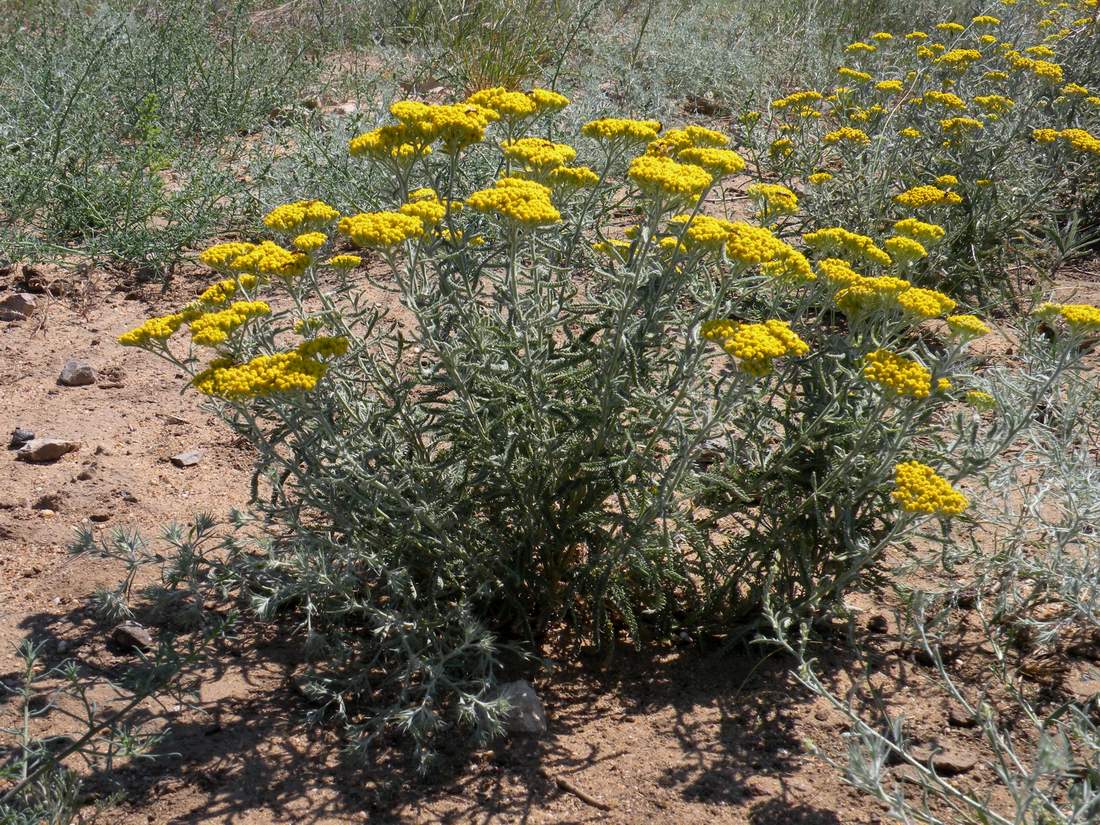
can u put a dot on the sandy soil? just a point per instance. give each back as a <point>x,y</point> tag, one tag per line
<point>680,735</point>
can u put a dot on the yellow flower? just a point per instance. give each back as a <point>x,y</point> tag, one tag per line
<point>1074,89</point>
<point>986,20</point>
<point>547,100</point>
<point>959,59</point>
<point>1045,70</point>
<point>293,217</point>
<point>797,100</point>
<point>676,140</point>
<point>889,86</point>
<point>882,36</point>
<point>507,104</point>
<point>154,329</point>
<point>919,489</point>
<point>846,244</point>
<point>860,47</point>
<point>966,326</point>
<point>948,100</point>
<point>344,261</point>
<point>214,328</point>
<point>298,370</point>
<point>947,181</point>
<point>222,291</point>
<point>455,125</point>
<point>995,104</point>
<point>523,201</point>
<point>575,177</point>
<point>718,162</point>
<point>897,373</point>
<point>268,258</point>
<point>951,27</point>
<point>774,198</point>
<point>538,154</point>
<point>220,256</point>
<point>625,129</point>
<point>960,125</point>
<point>425,205</point>
<point>701,231</point>
<point>395,143</point>
<point>613,248</point>
<point>1045,135</point>
<point>781,148</point>
<point>981,400</point>
<point>904,250</point>
<point>838,272</point>
<point>866,295</point>
<point>922,197</point>
<point>789,265</point>
<point>918,230</point>
<point>917,35</point>
<point>854,74</point>
<point>1081,140</point>
<point>1081,317</point>
<point>659,177</point>
<point>755,346</point>
<point>910,132</point>
<point>848,135</point>
<point>818,178</point>
<point>310,241</point>
<point>924,303</point>
<point>750,245</point>
<point>381,230</point>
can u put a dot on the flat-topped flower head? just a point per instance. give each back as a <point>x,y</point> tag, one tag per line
<point>153,330</point>
<point>300,216</point>
<point>918,230</point>
<point>700,232</point>
<point>689,137</point>
<point>213,328</point>
<point>396,143</point>
<point>966,326</point>
<point>866,295</point>
<point>749,245</point>
<point>295,371</point>
<point>897,373</point>
<point>426,205</point>
<point>220,256</point>
<point>522,201</point>
<point>572,177</point>
<point>663,178</point>
<point>1078,317</point>
<point>924,303</point>
<point>904,250</point>
<point>610,129</point>
<point>381,230</point>
<point>981,400</point>
<point>538,154</point>
<point>718,162</point>
<point>838,272</point>
<point>508,105</point>
<point>926,197</point>
<point>919,489</point>
<point>547,100</point>
<point>269,259</point>
<point>756,346</point>
<point>344,262</point>
<point>774,199</point>
<point>849,135</point>
<point>222,291</point>
<point>310,241</point>
<point>845,244</point>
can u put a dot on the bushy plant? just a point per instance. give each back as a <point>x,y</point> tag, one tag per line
<point>602,407</point>
<point>982,123</point>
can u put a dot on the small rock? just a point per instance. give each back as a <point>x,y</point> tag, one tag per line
<point>77,373</point>
<point>187,459</point>
<point>19,437</point>
<point>62,646</point>
<point>878,624</point>
<point>50,502</point>
<point>87,474</point>
<point>99,518</point>
<point>45,449</point>
<point>130,635</point>
<point>17,307</point>
<point>959,718</point>
<point>949,761</point>
<point>526,713</point>
<point>128,497</point>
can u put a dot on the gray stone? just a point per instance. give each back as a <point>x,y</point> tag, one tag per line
<point>17,307</point>
<point>77,373</point>
<point>19,437</point>
<point>526,713</point>
<point>187,459</point>
<point>130,635</point>
<point>45,449</point>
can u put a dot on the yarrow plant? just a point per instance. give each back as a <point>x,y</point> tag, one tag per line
<point>565,426</point>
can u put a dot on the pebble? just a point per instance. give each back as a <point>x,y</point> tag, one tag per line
<point>187,459</point>
<point>45,449</point>
<point>77,373</point>
<point>130,635</point>
<point>19,437</point>
<point>950,761</point>
<point>526,713</point>
<point>17,307</point>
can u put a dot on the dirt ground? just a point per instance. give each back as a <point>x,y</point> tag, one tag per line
<point>681,735</point>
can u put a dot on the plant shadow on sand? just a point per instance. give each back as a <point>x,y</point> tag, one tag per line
<point>671,736</point>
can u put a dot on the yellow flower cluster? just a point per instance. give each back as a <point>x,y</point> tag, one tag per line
<point>661,177</point>
<point>789,265</point>
<point>981,400</point>
<point>1081,140</point>
<point>919,489</point>
<point>818,178</point>
<point>381,230</point>
<point>575,177</point>
<point>775,199</point>
<point>221,255</point>
<point>889,86</point>
<point>751,245</point>
<point>923,197</point>
<point>513,105</point>
<point>690,137</point>
<point>523,201</point>
<point>948,100</point>
<point>266,258</point>
<point>396,143</point>
<point>955,28</point>
<point>957,126</point>
<point>1079,317</point>
<point>847,134</point>
<point>426,205</point>
<point>298,370</point>
<point>622,129</point>
<point>344,261</point>
<point>854,74</point>
<point>838,272</point>
<point>154,329</point>
<point>967,326</point>
<point>214,328</point>
<point>846,244</point>
<point>718,162</point>
<point>538,154</point>
<point>918,230</point>
<point>310,241</point>
<point>904,250</point>
<point>995,104</point>
<point>300,215</point>
<point>701,232</point>
<point>864,295</point>
<point>797,100</point>
<point>959,59</point>
<point>924,303</point>
<point>455,125</point>
<point>755,346</point>
<point>222,291</point>
<point>897,373</point>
